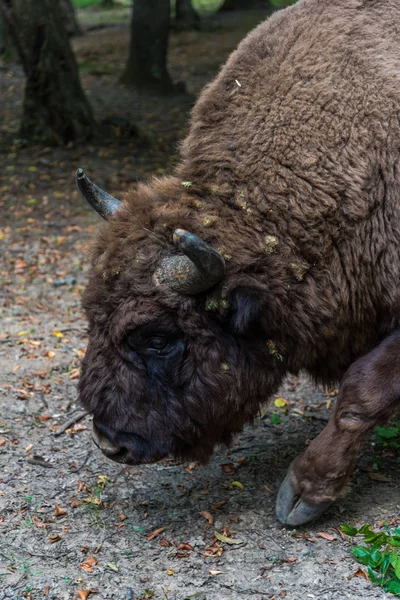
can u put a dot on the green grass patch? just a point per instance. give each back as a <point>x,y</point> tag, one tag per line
<point>379,554</point>
<point>282,3</point>
<point>388,435</point>
<point>85,3</point>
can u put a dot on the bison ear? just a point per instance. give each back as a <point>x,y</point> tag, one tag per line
<point>247,306</point>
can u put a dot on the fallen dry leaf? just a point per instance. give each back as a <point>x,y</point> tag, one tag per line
<point>215,572</point>
<point>58,511</point>
<point>58,334</point>
<point>228,468</point>
<point>219,504</point>
<point>39,523</point>
<point>164,542</point>
<point>184,546</point>
<point>82,485</point>
<point>3,441</point>
<point>76,428</point>
<point>379,477</point>
<point>213,551</point>
<point>361,573</point>
<point>237,484</point>
<point>74,374</point>
<point>331,393</point>
<point>156,533</point>
<point>170,572</point>
<point>54,538</point>
<point>88,564</point>
<point>207,516</point>
<point>280,402</point>
<point>305,536</point>
<point>326,536</point>
<point>83,594</point>
<point>226,540</point>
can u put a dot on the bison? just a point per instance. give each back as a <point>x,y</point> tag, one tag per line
<point>272,249</point>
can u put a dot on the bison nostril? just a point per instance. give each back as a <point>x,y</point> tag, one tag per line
<point>105,445</point>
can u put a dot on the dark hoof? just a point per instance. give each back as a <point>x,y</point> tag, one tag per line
<point>290,508</point>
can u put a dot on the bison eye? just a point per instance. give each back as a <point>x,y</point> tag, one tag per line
<point>157,343</point>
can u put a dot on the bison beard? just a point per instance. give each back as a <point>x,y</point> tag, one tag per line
<point>273,249</point>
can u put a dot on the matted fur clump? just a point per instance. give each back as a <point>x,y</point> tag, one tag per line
<point>291,171</point>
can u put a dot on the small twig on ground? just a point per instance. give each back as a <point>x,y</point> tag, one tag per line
<point>83,464</point>
<point>74,419</point>
<point>43,400</point>
<point>39,462</point>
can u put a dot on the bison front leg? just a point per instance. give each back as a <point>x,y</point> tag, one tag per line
<point>369,395</point>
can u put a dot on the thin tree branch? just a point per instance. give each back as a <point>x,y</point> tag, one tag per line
<point>71,421</point>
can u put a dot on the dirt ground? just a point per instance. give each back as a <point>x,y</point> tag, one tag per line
<point>70,520</point>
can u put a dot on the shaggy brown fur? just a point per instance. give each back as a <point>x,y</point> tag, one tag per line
<point>292,171</point>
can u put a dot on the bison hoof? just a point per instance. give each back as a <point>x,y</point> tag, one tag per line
<point>292,510</point>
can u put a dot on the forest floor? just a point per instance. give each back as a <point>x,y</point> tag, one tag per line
<point>72,523</point>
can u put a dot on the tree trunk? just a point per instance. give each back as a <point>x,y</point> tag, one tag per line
<point>3,37</point>
<point>55,108</point>
<point>71,23</point>
<point>185,15</point>
<point>147,61</point>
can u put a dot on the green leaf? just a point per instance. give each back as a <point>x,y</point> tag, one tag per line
<point>393,587</point>
<point>371,538</point>
<point>385,563</point>
<point>365,529</point>
<point>275,419</point>
<point>373,577</point>
<point>349,529</point>
<point>395,562</point>
<point>387,432</point>
<point>362,554</point>
<point>376,557</point>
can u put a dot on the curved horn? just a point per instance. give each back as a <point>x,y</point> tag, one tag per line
<point>102,202</point>
<point>197,270</point>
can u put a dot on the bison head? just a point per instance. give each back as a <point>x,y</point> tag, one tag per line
<point>176,360</point>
